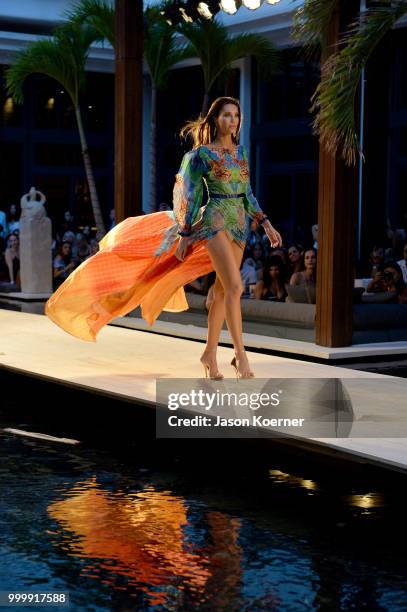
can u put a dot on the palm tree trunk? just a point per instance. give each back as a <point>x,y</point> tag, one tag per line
<point>153,151</point>
<point>205,104</point>
<point>97,213</point>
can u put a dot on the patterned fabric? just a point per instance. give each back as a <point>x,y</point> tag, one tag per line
<point>222,171</point>
<point>136,263</point>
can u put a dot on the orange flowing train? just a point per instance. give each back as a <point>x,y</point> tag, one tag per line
<point>136,264</point>
<point>126,273</point>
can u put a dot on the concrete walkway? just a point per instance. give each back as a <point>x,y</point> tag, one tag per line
<point>126,363</point>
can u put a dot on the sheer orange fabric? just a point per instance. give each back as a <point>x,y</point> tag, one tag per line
<point>124,274</point>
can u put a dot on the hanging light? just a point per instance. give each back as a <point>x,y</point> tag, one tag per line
<point>50,103</point>
<point>208,8</point>
<point>272,1</point>
<point>252,4</point>
<point>230,6</point>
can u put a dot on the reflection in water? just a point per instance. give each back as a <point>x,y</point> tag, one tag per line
<point>119,537</point>
<point>279,476</point>
<point>139,535</point>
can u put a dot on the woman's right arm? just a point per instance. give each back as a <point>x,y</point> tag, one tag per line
<point>187,197</point>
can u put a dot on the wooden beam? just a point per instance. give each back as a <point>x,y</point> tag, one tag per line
<point>128,108</point>
<point>336,231</point>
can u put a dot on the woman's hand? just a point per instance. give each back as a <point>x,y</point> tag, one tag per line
<point>272,234</point>
<point>182,247</point>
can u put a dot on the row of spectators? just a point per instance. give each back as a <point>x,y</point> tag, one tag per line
<point>71,245</point>
<point>266,273</point>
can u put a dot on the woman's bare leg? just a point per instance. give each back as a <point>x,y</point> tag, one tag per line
<point>216,315</point>
<point>222,254</point>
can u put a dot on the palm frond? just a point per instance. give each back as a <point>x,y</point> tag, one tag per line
<point>42,57</point>
<point>217,50</point>
<point>334,98</point>
<point>310,22</point>
<point>161,48</point>
<point>99,14</point>
<point>266,54</point>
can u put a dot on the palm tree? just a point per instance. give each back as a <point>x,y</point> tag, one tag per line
<point>63,59</point>
<point>97,13</point>
<point>217,50</point>
<point>162,51</point>
<point>334,98</point>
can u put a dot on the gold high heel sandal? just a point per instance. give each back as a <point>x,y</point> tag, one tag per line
<point>206,367</point>
<point>233,363</point>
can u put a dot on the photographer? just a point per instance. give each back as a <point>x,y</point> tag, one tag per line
<point>389,277</point>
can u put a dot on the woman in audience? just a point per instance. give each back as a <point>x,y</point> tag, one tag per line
<point>259,256</point>
<point>272,287</point>
<point>308,274</point>
<point>393,281</point>
<point>376,259</point>
<point>64,263</point>
<point>12,258</point>
<point>83,247</point>
<point>295,252</point>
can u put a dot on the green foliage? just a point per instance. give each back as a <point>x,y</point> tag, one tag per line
<point>162,50</point>
<point>334,98</point>
<point>217,50</point>
<point>62,58</point>
<point>99,14</point>
<point>311,22</point>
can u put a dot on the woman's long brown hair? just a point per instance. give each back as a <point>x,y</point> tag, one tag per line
<point>203,129</point>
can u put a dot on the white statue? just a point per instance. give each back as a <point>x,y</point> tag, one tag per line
<point>35,245</point>
<point>31,207</point>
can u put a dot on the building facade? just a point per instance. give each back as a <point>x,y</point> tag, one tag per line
<point>40,146</point>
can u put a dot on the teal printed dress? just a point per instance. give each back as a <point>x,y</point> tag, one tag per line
<point>231,203</point>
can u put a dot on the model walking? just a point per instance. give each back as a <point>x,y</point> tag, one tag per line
<point>147,260</point>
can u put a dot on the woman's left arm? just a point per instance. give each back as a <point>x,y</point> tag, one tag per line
<point>254,211</point>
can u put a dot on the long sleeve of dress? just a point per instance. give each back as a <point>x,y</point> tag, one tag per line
<point>251,205</point>
<point>188,190</point>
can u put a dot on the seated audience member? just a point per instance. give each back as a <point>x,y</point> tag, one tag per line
<point>281,254</point>
<point>83,247</point>
<point>376,259</point>
<point>12,259</point>
<point>248,274</point>
<point>377,284</point>
<point>3,223</point>
<point>259,256</point>
<point>393,281</point>
<point>314,231</point>
<point>272,286</point>
<point>70,237</point>
<point>3,244</point>
<point>295,252</point>
<point>64,263</point>
<point>308,274</point>
<point>254,234</point>
<point>13,216</point>
<point>403,263</point>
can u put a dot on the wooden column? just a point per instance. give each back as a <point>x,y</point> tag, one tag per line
<point>128,108</point>
<point>336,232</point>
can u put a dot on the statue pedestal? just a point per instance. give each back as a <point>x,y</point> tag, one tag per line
<point>35,248</point>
